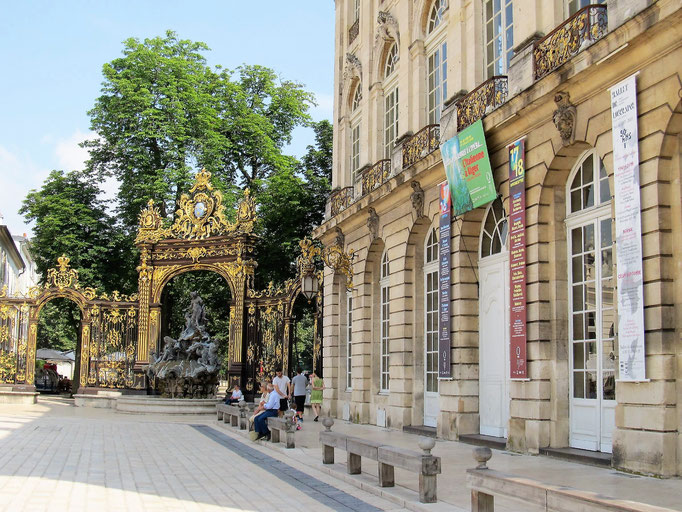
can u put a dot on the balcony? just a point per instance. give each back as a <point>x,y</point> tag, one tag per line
<point>375,176</point>
<point>353,31</point>
<point>340,200</point>
<point>481,101</point>
<point>585,27</point>
<point>421,144</point>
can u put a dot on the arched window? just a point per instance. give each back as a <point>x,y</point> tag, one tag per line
<point>494,234</point>
<point>357,97</point>
<point>592,313</point>
<point>499,36</point>
<point>436,15</point>
<point>391,60</point>
<point>431,312</point>
<point>437,62</point>
<point>384,328</point>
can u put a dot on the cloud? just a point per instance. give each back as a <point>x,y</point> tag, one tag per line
<point>70,156</point>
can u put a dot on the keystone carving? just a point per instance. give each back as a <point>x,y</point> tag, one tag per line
<point>564,117</point>
<point>417,198</point>
<point>373,224</point>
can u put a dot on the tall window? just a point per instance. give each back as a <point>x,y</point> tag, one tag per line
<point>354,150</point>
<point>437,50</point>
<point>591,291</point>
<point>431,311</point>
<point>390,101</point>
<point>499,36</point>
<point>575,5</point>
<point>356,10</point>
<point>349,342</point>
<point>385,299</point>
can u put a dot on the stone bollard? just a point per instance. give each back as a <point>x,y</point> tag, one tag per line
<point>426,444</point>
<point>480,501</point>
<point>327,422</point>
<point>482,455</point>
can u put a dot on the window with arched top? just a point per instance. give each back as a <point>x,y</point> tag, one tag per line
<point>384,325</point>
<point>391,60</point>
<point>592,310</point>
<point>499,36</point>
<point>589,186</point>
<point>357,97</point>
<point>436,15</point>
<point>431,312</point>
<point>495,228</point>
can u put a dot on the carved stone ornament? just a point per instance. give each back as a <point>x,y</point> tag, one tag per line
<point>339,239</point>
<point>373,224</point>
<point>387,28</point>
<point>353,67</point>
<point>417,198</point>
<point>564,117</point>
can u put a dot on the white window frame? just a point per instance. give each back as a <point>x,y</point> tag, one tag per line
<point>349,341</point>
<point>384,325</point>
<point>354,149</point>
<point>356,11</point>
<point>431,269</point>
<point>436,64</point>
<point>391,100</point>
<point>573,6</point>
<point>506,52</point>
<point>595,214</point>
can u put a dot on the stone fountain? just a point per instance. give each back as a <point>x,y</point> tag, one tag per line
<point>188,367</point>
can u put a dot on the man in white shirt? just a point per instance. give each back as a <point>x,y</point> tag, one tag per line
<point>260,423</point>
<point>283,389</point>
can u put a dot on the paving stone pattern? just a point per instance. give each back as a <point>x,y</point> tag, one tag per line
<point>316,489</point>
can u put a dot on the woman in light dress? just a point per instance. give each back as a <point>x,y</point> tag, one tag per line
<point>316,394</point>
<point>265,389</point>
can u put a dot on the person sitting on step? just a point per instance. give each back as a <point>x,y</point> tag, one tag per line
<point>271,408</point>
<point>236,396</point>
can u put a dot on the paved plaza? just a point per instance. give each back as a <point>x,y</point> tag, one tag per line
<point>54,456</point>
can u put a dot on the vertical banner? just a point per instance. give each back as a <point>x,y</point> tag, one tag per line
<point>628,230</point>
<point>444,367</point>
<point>518,368</point>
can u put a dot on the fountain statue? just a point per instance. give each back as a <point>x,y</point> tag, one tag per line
<point>188,367</point>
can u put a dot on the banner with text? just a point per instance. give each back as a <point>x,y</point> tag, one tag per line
<point>517,260</point>
<point>630,280</point>
<point>467,167</point>
<point>444,370</point>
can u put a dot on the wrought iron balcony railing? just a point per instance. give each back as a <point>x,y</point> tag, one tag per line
<point>421,144</point>
<point>340,200</point>
<point>481,101</point>
<point>353,31</point>
<point>375,175</point>
<point>582,29</point>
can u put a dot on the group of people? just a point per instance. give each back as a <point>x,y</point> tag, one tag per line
<point>275,396</point>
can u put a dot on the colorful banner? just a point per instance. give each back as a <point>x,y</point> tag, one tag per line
<point>518,368</point>
<point>444,367</point>
<point>467,167</point>
<point>628,231</point>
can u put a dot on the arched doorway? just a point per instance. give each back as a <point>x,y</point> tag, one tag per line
<point>215,293</point>
<point>593,352</point>
<point>59,334</point>
<point>493,323</point>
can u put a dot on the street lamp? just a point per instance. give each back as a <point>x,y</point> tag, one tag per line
<point>309,285</point>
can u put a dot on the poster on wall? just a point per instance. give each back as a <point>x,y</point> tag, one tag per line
<point>517,260</point>
<point>467,167</point>
<point>630,280</point>
<point>444,370</point>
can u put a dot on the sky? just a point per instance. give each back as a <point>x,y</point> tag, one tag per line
<point>52,55</point>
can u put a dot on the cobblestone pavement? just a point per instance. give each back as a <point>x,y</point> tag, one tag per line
<point>56,457</point>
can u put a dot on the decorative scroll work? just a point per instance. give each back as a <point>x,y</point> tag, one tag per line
<point>421,144</point>
<point>63,276</point>
<point>200,215</point>
<point>375,176</point>
<point>340,200</point>
<point>481,101</point>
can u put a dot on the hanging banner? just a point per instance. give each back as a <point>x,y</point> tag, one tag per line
<point>630,280</point>
<point>517,260</point>
<point>444,367</point>
<point>467,167</point>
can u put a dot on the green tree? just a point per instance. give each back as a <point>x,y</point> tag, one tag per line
<point>71,219</point>
<point>292,204</point>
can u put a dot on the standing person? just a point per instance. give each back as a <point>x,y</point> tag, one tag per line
<point>316,394</point>
<point>299,383</point>
<point>260,423</point>
<point>283,389</point>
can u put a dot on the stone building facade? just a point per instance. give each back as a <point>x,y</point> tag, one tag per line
<point>412,73</point>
